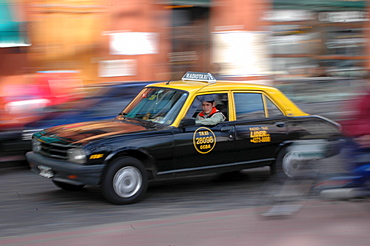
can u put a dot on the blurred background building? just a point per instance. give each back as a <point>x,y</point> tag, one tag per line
<point>73,43</point>
<point>55,52</point>
<point>150,40</point>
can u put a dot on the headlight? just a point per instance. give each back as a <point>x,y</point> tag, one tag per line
<point>77,155</point>
<point>27,134</point>
<point>36,145</point>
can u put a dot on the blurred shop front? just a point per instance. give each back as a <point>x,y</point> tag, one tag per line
<point>101,41</point>
<point>318,38</point>
<point>154,40</point>
<point>190,37</point>
<point>13,37</point>
<point>224,37</point>
<point>319,52</point>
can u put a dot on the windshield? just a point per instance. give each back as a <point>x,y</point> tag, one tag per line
<point>156,104</point>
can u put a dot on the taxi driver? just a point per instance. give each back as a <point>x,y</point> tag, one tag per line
<point>210,114</point>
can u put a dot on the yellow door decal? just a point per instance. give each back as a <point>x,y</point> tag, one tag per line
<point>204,140</point>
<point>259,134</point>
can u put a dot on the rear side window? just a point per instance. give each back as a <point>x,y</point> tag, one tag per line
<point>272,110</point>
<point>252,106</point>
<point>249,106</point>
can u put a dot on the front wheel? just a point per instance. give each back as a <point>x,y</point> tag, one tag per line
<point>125,181</point>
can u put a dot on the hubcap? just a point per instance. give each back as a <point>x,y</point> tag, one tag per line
<point>127,181</point>
<point>292,163</point>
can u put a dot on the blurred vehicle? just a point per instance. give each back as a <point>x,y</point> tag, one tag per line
<point>25,98</point>
<point>101,102</point>
<point>156,137</point>
<point>104,102</point>
<point>352,184</point>
<point>28,94</point>
<point>346,72</point>
<point>355,150</point>
<point>325,96</point>
<point>345,69</point>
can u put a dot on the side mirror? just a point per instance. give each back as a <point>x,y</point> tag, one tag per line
<point>187,122</point>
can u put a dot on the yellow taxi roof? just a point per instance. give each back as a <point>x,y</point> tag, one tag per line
<point>194,86</point>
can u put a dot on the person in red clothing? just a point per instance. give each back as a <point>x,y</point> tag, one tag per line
<point>358,125</point>
<point>356,153</point>
<point>356,129</point>
<point>210,114</point>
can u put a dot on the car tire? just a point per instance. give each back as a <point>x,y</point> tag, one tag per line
<point>68,187</point>
<point>288,165</point>
<point>125,181</point>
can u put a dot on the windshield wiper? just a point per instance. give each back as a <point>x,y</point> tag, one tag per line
<point>146,122</point>
<point>122,114</point>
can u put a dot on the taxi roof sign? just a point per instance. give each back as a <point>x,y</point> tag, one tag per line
<point>198,76</point>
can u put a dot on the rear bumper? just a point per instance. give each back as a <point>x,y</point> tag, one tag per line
<point>316,148</point>
<point>333,147</point>
<point>64,171</point>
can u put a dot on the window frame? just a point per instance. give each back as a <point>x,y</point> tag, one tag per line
<point>227,93</point>
<point>232,113</point>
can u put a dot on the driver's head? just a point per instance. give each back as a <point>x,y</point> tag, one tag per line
<point>208,104</point>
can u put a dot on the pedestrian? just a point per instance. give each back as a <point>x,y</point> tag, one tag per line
<point>356,129</point>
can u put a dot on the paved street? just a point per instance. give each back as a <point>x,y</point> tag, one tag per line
<point>317,224</point>
<point>209,210</point>
<point>32,204</point>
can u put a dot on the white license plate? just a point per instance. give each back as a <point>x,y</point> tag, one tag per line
<point>45,171</point>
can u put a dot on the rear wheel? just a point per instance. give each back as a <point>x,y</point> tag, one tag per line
<point>125,181</point>
<point>288,164</point>
<point>66,186</point>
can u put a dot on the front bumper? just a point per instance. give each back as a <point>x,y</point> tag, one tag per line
<point>64,171</point>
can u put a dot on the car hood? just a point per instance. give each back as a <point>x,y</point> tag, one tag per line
<point>84,132</point>
<point>56,119</point>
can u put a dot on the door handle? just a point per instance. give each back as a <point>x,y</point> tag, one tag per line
<point>280,124</point>
<point>226,129</point>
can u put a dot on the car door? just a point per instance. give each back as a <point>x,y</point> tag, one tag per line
<point>260,127</point>
<point>201,147</point>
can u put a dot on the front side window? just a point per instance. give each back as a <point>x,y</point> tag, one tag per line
<point>220,103</point>
<point>157,105</point>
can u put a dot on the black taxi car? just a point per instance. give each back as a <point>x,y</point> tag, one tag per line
<point>156,137</point>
